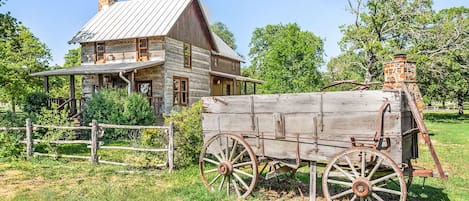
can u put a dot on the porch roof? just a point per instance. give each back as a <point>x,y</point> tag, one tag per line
<point>99,69</point>
<point>237,77</point>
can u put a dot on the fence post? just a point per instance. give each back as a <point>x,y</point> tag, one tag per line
<point>171,147</point>
<point>94,142</point>
<point>29,138</point>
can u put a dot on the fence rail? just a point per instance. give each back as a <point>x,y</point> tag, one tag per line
<point>94,144</point>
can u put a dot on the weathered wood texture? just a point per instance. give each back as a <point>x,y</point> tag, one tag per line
<point>198,74</point>
<point>320,124</point>
<point>225,65</point>
<point>191,27</point>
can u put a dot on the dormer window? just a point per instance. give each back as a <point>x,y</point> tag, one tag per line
<point>142,49</point>
<point>100,49</point>
<point>187,55</point>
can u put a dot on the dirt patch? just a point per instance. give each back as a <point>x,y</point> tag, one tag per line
<point>14,181</point>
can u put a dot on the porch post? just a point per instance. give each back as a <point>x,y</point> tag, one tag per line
<point>245,88</point>
<point>46,84</point>
<point>234,87</point>
<point>73,103</point>
<point>132,81</point>
<point>100,81</point>
<point>254,88</point>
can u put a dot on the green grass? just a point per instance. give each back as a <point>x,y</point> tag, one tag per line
<point>49,179</point>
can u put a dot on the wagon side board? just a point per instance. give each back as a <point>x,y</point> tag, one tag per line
<point>316,126</point>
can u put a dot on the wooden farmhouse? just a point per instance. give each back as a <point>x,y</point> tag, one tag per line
<point>163,49</point>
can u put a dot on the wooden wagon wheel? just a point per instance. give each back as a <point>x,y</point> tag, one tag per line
<point>365,180</point>
<point>227,163</point>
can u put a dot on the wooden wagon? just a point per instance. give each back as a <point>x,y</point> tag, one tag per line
<point>365,139</point>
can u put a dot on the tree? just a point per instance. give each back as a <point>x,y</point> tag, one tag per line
<point>381,29</point>
<point>442,51</point>
<point>60,85</point>
<point>224,33</point>
<point>286,58</point>
<point>21,54</point>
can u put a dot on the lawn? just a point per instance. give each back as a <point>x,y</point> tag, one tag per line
<point>49,179</point>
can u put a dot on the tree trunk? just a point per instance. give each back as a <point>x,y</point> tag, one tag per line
<point>460,103</point>
<point>13,105</point>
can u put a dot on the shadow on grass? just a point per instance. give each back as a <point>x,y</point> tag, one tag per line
<point>446,117</point>
<point>417,193</point>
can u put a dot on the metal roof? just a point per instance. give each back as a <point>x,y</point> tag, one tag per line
<point>224,49</point>
<point>237,77</point>
<point>132,19</point>
<point>100,69</point>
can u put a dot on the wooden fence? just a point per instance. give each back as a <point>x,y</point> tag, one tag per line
<point>94,144</point>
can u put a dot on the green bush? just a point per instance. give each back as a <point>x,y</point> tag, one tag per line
<point>53,117</point>
<point>188,134</point>
<point>33,102</point>
<point>116,107</point>
<point>10,148</point>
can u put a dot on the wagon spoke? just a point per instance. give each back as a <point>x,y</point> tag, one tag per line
<point>221,149</point>
<point>376,196</point>
<point>233,150</point>
<point>228,186</point>
<point>212,170</point>
<point>235,186</point>
<point>241,172</point>
<point>342,194</point>
<point>242,164</point>
<point>363,164</point>
<point>211,161</point>
<point>227,149</point>
<point>214,179</point>
<point>241,181</point>
<point>380,160</point>
<point>218,157</point>
<point>353,198</point>
<point>343,172</point>
<point>351,166</point>
<point>383,178</point>
<point>332,181</point>
<point>239,156</point>
<point>221,183</point>
<point>387,190</point>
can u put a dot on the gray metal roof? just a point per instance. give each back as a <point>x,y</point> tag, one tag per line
<point>224,49</point>
<point>236,77</point>
<point>132,19</point>
<point>100,69</point>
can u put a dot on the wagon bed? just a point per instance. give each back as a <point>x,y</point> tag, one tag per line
<point>351,132</point>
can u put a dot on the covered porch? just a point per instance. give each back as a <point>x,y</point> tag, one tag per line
<point>224,84</point>
<point>135,77</point>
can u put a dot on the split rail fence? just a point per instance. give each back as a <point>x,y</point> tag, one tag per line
<point>94,144</point>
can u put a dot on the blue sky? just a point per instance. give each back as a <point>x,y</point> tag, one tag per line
<point>55,22</point>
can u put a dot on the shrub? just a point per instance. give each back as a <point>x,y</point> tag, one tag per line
<point>53,117</point>
<point>33,102</point>
<point>188,134</point>
<point>116,107</point>
<point>10,148</point>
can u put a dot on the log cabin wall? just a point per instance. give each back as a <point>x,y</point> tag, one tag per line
<point>87,53</point>
<point>225,65</point>
<point>198,74</point>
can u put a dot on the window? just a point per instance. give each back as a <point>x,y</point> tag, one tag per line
<point>180,91</point>
<point>100,51</point>
<point>142,49</point>
<point>187,55</point>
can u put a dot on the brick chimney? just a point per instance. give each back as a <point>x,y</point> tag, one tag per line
<point>399,72</point>
<point>103,4</point>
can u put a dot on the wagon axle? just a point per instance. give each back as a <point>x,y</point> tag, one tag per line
<point>225,168</point>
<point>361,187</point>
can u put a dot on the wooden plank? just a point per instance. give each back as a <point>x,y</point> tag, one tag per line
<point>113,163</point>
<point>61,155</point>
<point>312,180</point>
<point>13,128</point>
<point>131,127</point>
<point>29,138</point>
<point>171,147</point>
<point>133,149</point>
<point>63,127</point>
<point>94,143</point>
<point>63,141</point>
<point>350,101</point>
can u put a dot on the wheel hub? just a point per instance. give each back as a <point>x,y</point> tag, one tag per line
<point>225,168</point>
<point>361,187</point>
